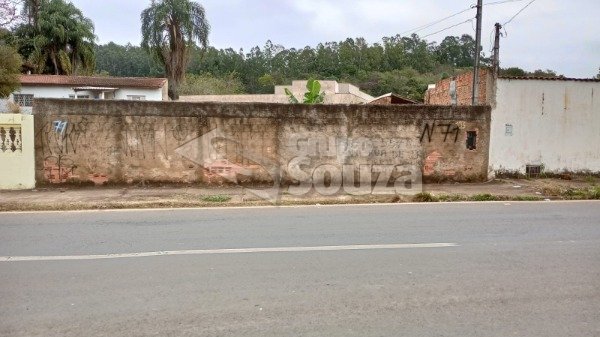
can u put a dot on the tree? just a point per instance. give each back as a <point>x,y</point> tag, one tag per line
<point>127,61</point>
<point>60,40</point>
<point>544,73</point>
<point>8,12</point>
<point>10,68</point>
<point>170,29</point>
<point>513,72</point>
<point>207,84</point>
<point>31,10</point>
<point>598,76</point>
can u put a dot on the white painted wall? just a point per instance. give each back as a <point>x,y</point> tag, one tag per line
<point>554,123</point>
<point>65,91</point>
<point>151,94</point>
<point>17,169</point>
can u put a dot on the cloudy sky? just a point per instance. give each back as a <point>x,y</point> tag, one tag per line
<point>549,34</point>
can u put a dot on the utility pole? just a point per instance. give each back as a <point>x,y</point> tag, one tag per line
<point>496,61</point>
<point>477,52</point>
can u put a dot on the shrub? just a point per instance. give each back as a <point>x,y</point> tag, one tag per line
<point>216,198</point>
<point>425,197</point>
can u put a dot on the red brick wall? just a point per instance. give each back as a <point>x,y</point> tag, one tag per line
<point>464,88</point>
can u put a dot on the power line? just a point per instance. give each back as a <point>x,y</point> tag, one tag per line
<point>420,28</point>
<point>501,2</point>
<point>423,27</point>
<point>519,12</point>
<point>441,30</point>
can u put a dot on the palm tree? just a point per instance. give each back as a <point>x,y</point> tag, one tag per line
<point>31,10</point>
<point>58,40</point>
<point>169,30</point>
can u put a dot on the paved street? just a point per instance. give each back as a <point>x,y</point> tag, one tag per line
<point>460,269</point>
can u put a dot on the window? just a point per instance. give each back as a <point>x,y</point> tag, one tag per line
<point>136,97</point>
<point>508,129</point>
<point>533,171</point>
<point>80,96</point>
<point>23,99</point>
<point>471,140</point>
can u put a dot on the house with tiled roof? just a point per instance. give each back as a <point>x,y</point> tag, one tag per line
<point>87,87</point>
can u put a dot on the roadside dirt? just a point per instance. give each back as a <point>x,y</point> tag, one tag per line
<point>76,198</point>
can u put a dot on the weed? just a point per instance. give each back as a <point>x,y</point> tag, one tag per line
<point>526,198</point>
<point>425,197</point>
<point>451,197</point>
<point>483,197</point>
<point>216,198</point>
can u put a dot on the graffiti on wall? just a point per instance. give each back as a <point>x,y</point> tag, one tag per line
<point>92,148</point>
<point>449,131</point>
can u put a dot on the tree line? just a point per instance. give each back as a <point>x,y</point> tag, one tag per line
<point>54,37</point>
<point>404,65</point>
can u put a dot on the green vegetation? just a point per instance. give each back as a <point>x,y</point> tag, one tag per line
<point>57,38</point>
<point>170,29</point>
<point>483,197</point>
<point>425,197</point>
<point>428,197</point>
<point>206,84</point>
<point>10,68</point>
<point>403,65</point>
<point>312,96</point>
<point>592,193</point>
<point>216,198</point>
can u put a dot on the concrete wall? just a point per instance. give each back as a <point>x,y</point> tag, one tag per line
<point>126,142</point>
<point>17,167</point>
<point>554,123</point>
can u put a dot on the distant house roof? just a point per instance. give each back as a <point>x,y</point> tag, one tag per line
<point>549,78</point>
<point>94,81</point>
<point>391,98</point>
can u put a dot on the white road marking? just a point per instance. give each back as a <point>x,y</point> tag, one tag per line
<point>224,251</point>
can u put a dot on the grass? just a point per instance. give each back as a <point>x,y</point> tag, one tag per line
<point>428,197</point>
<point>216,198</point>
<point>592,193</point>
<point>484,197</point>
<point>424,197</point>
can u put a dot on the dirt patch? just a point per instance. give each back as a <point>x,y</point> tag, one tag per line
<point>80,198</point>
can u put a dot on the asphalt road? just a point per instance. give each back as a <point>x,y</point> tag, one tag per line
<point>483,269</point>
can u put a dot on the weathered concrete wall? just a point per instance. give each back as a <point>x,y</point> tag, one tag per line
<point>551,123</point>
<point>127,142</point>
<point>464,89</point>
<point>16,152</point>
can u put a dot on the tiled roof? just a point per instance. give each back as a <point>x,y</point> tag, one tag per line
<point>549,78</point>
<point>60,80</point>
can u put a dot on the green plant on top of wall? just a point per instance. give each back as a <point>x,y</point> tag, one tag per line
<point>312,96</point>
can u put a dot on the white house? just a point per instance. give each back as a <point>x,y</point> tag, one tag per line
<point>538,124</point>
<point>547,124</point>
<point>87,87</point>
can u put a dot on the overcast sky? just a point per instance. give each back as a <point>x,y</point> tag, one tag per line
<point>563,35</point>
